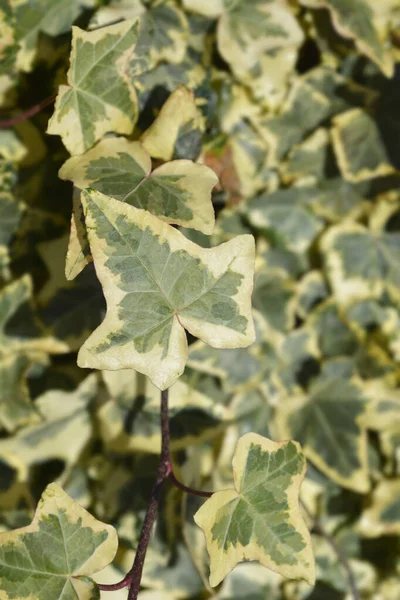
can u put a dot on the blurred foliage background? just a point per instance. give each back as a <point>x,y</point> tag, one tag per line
<point>296,108</point>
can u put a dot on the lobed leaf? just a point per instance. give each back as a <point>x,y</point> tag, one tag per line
<point>86,109</point>
<point>176,192</point>
<point>260,519</point>
<point>147,310</point>
<point>55,556</point>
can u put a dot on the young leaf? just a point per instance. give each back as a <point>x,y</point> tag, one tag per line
<point>260,519</point>
<point>86,108</point>
<point>147,309</point>
<point>177,192</point>
<point>54,557</point>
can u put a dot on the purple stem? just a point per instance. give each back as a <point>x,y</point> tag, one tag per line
<point>27,114</point>
<point>164,471</point>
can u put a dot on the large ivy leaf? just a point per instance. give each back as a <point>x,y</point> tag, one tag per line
<point>55,556</point>
<point>260,519</point>
<point>53,17</point>
<point>86,109</point>
<point>177,192</point>
<point>361,263</point>
<point>328,422</point>
<point>147,311</point>
<point>359,20</point>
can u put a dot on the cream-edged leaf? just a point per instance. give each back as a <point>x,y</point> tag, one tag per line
<point>86,108</point>
<point>176,192</point>
<point>148,310</point>
<point>382,517</point>
<point>54,557</point>
<point>328,422</point>
<point>177,130</point>
<point>260,519</point>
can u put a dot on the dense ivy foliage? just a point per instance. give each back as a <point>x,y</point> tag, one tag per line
<point>144,118</point>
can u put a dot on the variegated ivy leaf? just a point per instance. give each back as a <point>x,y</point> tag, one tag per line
<point>163,36</point>
<point>275,298</point>
<point>361,263</point>
<point>382,517</point>
<point>177,131</point>
<point>116,10</point>
<point>260,519</point>
<point>54,557</point>
<point>238,368</point>
<point>86,109</point>
<point>287,216</point>
<point>328,423</point>
<point>363,21</point>
<point>177,192</point>
<point>208,8</point>
<point>148,309</point>
<point>250,580</point>
<point>52,17</point>
<point>359,147</point>
<point>250,31</point>
<point>130,419</point>
<point>63,430</point>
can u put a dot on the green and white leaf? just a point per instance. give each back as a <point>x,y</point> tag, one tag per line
<point>52,17</point>
<point>176,192</point>
<point>361,263</point>
<point>382,517</point>
<point>54,556</point>
<point>328,422</point>
<point>361,20</point>
<point>78,252</point>
<point>360,150</point>
<point>260,519</point>
<point>147,312</point>
<point>255,36</point>
<point>177,130</point>
<point>163,36</point>
<point>86,109</point>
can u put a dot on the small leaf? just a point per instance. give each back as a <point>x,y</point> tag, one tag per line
<point>260,519</point>
<point>177,192</point>
<point>86,108</point>
<point>147,309</point>
<point>54,557</point>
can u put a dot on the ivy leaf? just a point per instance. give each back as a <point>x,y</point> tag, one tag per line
<point>177,192</point>
<point>177,130</point>
<point>359,147</point>
<point>54,556</point>
<point>358,20</point>
<point>53,17</point>
<point>383,515</point>
<point>250,32</point>
<point>86,109</point>
<point>361,263</point>
<point>260,519</point>
<point>147,310</point>
<point>328,422</point>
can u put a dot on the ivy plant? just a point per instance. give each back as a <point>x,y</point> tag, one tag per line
<point>199,299</point>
